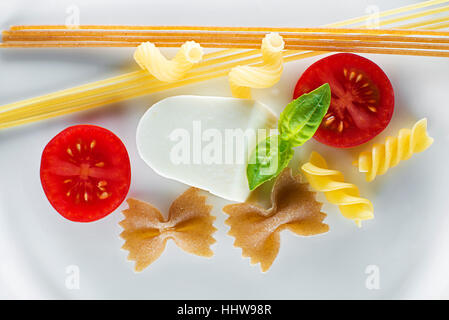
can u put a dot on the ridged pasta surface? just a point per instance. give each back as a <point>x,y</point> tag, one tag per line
<point>150,58</point>
<point>395,149</point>
<point>331,183</point>
<point>243,78</point>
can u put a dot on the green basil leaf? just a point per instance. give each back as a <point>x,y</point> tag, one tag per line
<point>302,117</point>
<point>267,160</point>
<point>297,124</point>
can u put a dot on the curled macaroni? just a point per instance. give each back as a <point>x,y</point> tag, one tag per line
<point>385,156</point>
<point>150,58</point>
<point>242,78</point>
<point>331,182</point>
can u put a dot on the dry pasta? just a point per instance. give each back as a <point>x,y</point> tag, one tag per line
<point>388,155</point>
<point>257,230</point>
<point>242,78</point>
<point>146,231</point>
<point>345,195</point>
<point>150,58</point>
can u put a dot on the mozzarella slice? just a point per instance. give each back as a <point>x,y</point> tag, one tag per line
<point>204,141</point>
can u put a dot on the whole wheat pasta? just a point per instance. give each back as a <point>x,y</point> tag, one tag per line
<point>257,230</point>
<point>189,225</point>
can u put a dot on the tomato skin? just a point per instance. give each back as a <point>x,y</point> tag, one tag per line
<point>360,124</point>
<point>85,172</point>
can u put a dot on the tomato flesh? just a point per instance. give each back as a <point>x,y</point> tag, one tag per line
<point>362,102</point>
<point>85,172</point>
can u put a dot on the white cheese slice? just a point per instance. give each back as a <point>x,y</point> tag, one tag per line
<point>204,141</point>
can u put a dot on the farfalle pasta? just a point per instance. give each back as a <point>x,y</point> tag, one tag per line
<point>189,224</point>
<point>150,58</point>
<point>243,78</point>
<point>331,183</point>
<point>395,149</point>
<point>256,230</point>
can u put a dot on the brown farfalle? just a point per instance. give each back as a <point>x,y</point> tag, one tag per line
<point>189,224</point>
<point>256,230</point>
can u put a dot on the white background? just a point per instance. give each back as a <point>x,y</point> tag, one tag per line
<point>408,240</point>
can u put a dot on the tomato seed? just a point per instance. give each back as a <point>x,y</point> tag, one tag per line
<point>340,126</point>
<point>329,120</point>
<point>351,75</point>
<point>103,196</point>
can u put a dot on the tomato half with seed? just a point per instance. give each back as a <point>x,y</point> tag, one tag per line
<point>362,100</point>
<point>85,172</point>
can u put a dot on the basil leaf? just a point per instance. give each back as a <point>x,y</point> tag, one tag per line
<point>267,160</point>
<point>301,118</point>
<point>297,124</point>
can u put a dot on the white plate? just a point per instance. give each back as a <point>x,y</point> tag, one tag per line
<point>40,252</point>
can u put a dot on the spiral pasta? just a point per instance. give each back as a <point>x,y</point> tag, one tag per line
<point>242,78</point>
<point>150,58</point>
<point>388,155</point>
<point>331,182</point>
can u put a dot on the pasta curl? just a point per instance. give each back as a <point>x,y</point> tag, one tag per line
<point>242,78</point>
<point>345,195</point>
<point>388,155</point>
<point>150,58</point>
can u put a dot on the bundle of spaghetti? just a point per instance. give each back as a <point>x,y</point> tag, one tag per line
<point>395,149</point>
<point>331,183</point>
<point>126,35</point>
<point>213,65</point>
<point>242,78</point>
<point>324,39</point>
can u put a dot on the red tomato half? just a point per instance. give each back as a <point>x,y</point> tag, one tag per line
<point>362,100</point>
<point>85,172</point>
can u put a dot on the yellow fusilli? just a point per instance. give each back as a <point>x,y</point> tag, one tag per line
<point>385,156</point>
<point>150,58</point>
<point>331,182</point>
<point>242,78</point>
